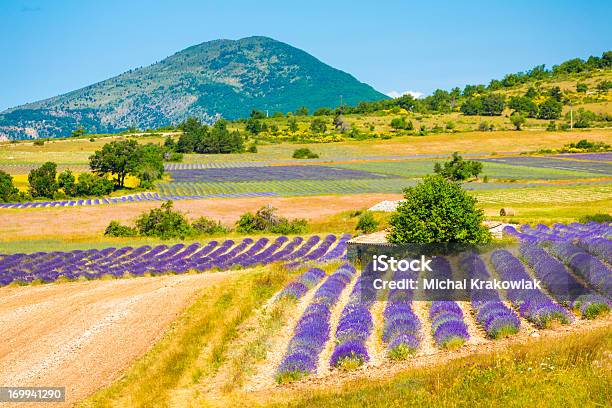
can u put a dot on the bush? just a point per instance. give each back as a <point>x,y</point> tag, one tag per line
<point>164,223</point>
<point>252,149</point>
<point>39,142</point>
<point>458,169</point>
<point>367,223</point>
<point>582,88</point>
<point>552,126</point>
<point>438,211</point>
<point>115,229</point>
<point>318,125</point>
<point>92,185</point>
<point>173,156</point>
<point>517,120</point>
<point>304,153</point>
<point>205,225</point>
<point>265,219</point>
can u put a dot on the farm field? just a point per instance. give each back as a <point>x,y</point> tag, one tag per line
<point>248,319</point>
<point>246,355</point>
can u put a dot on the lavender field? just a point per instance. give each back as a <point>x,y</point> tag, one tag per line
<point>127,261</point>
<point>572,261</point>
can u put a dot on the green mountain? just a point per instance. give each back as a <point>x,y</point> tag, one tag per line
<point>221,78</point>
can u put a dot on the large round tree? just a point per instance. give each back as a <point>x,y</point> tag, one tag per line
<point>438,211</point>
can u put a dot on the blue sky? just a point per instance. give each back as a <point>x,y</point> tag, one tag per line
<point>52,47</point>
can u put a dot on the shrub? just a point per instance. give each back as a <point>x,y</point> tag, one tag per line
<point>438,211</point>
<point>367,223</point>
<point>266,219</point>
<point>39,142</point>
<point>164,223</point>
<point>173,156</point>
<point>252,149</point>
<point>552,126</point>
<point>318,125</point>
<point>116,229</point>
<point>285,227</point>
<point>92,185</point>
<point>205,225</point>
<point>304,153</point>
<point>582,88</point>
<point>517,120</point>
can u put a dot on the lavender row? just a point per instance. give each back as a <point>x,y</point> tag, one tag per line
<point>447,324</point>
<point>299,287</point>
<point>134,198</point>
<point>560,283</point>
<point>312,330</point>
<point>532,303</point>
<point>93,264</point>
<point>591,269</point>
<point>491,313</point>
<point>355,324</point>
<point>402,327</point>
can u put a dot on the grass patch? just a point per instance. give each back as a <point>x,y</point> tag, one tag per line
<point>195,346</point>
<point>574,370</point>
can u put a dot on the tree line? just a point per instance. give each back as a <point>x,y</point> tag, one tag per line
<point>109,168</point>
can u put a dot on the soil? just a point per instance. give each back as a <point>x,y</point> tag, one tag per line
<point>83,335</point>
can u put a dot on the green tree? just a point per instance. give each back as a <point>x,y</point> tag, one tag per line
<point>117,158</point>
<point>318,125</point>
<point>458,169</point>
<point>581,87</point>
<point>151,164</point>
<point>257,114</point>
<point>42,180</point>
<point>293,126</point>
<point>253,126</point>
<point>556,93</point>
<point>67,182</point>
<point>524,105</point>
<point>302,111</point>
<point>517,120</point>
<point>550,109</point>
<point>79,131</point>
<point>492,104</point>
<point>471,106</point>
<point>437,211</point>
<point>531,93</point>
<point>8,192</point>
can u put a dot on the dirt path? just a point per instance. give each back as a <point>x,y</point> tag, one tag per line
<point>82,335</point>
<point>265,371</point>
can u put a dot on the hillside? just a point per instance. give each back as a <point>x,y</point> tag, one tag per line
<point>221,78</point>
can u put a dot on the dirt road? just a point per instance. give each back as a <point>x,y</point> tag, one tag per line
<point>82,335</point>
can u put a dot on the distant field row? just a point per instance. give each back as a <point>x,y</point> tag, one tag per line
<point>316,187</point>
<point>77,152</point>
